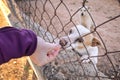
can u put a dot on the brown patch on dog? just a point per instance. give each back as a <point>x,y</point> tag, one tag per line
<point>95,42</point>
<point>87,41</point>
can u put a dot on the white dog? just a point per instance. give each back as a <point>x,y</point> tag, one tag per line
<point>85,45</point>
<point>86,19</point>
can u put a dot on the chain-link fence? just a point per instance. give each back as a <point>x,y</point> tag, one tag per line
<point>52,19</point>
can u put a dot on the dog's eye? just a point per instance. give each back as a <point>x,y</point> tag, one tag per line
<point>79,40</point>
<point>70,32</point>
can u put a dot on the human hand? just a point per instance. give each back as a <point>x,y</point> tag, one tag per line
<point>45,52</point>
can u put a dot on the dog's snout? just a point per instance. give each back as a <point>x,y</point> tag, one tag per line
<point>63,42</point>
<point>82,14</point>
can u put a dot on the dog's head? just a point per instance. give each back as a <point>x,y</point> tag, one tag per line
<point>78,39</point>
<point>83,11</point>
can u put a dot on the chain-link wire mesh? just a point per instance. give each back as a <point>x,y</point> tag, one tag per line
<point>52,19</point>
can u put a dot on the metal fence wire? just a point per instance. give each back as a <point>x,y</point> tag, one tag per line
<point>52,19</point>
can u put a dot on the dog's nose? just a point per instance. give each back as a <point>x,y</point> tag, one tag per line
<point>63,42</point>
<point>82,14</point>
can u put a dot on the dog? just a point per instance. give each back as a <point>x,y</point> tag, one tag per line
<point>78,40</point>
<point>85,18</point>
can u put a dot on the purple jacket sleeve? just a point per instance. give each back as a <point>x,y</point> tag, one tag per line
<point>16,43</point>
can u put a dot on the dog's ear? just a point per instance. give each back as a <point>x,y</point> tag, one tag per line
<point>96,42</point>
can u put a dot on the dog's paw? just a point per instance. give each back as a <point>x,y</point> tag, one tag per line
<point>85,59</point>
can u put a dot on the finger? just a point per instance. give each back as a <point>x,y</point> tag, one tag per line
<point>53,53</point>
<point>56,51</point>
<point>52,46</point>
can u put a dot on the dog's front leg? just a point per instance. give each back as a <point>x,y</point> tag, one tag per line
<point>91,56</point>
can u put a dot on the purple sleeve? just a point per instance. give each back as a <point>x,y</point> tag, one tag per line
<point>16,43</point>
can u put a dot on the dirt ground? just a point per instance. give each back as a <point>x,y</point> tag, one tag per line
<point>101,11</point>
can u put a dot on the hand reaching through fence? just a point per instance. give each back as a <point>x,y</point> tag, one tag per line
<point>15,43</point>
<point>45,52</point>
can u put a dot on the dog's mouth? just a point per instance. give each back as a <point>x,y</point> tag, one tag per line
<point>63,42</point>
<point>64,45</point>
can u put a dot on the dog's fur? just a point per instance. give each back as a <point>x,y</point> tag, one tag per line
<point>86,46</point>
<point>85,18</point>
